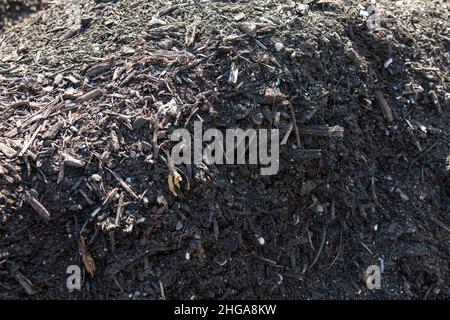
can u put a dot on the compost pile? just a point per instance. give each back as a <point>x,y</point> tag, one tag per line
<point>92,90</point>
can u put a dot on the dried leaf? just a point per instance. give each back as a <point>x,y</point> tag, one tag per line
<point>174,180</point>
<point>177,179</point>
<point>88,261</point>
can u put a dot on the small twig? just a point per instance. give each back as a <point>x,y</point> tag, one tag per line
<point>339,252</point>
<point>163,295</point>
<point>25,283</point>
<point>366,247</point>
<point>294,122</point>
<point>440,224</point>
<point>310,240</point>
<point>86,197</point>
<point>135,256</point>
<point>288,133</point>
<point>30,141</point>
<point>322,244</point>
<point>424,152</point>
<point>384,106</point>
<point>123,184</point>
<point>120,208</point>
<point>323,131</point>
<point>94,214</point>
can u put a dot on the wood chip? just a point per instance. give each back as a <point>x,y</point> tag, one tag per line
<point>53,131</point>
<point>31,198</point>
<point>70,161</point>
<point>99,69</point>
<point>384,106</point>
<point>91,95</point>
<point>323,131</point>
<point>30,141</point>
<point>7,151</point>
<point>115,144</point>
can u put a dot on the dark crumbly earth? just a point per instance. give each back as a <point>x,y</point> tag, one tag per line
<point>90,92</point>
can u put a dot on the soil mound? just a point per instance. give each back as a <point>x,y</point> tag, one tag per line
<point>93,90</point>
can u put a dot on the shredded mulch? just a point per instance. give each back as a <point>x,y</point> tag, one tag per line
<point>87,106</point>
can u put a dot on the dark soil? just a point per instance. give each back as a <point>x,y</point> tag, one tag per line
<point>378,195</point>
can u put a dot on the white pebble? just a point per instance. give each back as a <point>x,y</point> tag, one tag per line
<point>261,241</point>
<point>279,46</point>
<point>319,208</point>
<point>157,22</point>
<point>96,177</point>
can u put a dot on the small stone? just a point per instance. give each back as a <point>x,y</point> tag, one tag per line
<point>364,13</point>
<point>58,79</point>
<point>161,200</point>
<point>388,63</point>
<point>96,177</point>
<point>140,220</point>
<point>302,9</point>
<point>249,29</point>
<point>128,50</point>
<point>422,196</point>
<point>70,161</point>
<point>261,240</point>
<point>402,195</point>
<point>145,201</point>
<point>319,208</point>
<point>179,226</point>
<point>156,22</point>
<point>234,73</point>
<point>240,16</point>
<point>172,107</point>
<point>279,46</point>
